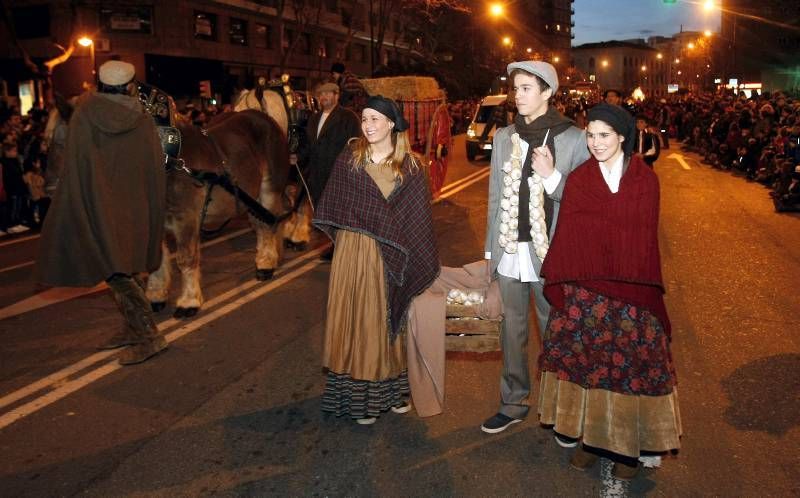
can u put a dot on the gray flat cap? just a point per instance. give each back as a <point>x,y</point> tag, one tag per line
<point>540,68</point>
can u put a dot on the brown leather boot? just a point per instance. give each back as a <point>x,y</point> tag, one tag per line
<point>143,351</point>
<point>582,460</point>
<point>118,340</point>
<point>624,472</point>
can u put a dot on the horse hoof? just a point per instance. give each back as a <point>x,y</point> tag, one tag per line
<point>184,312</point>
<point>264,274</point>
<point>158,306</point>
<point>300,246</point>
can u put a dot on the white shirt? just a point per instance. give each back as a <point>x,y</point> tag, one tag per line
<point>322,121</point>
<point>613,175</point>
<point>520,264</point>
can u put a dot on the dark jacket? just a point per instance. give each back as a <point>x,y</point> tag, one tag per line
<point>322,150</point>
<point>108,212</point>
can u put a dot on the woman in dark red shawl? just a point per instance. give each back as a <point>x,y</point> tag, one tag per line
<point>607,376</point>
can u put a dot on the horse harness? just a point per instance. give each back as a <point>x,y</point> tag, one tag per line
<point>171,142</point>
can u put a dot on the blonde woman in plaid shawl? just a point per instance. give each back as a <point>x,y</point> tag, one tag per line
<point>376,209</point>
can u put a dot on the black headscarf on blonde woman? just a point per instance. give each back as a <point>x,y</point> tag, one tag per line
<point>388,108</point>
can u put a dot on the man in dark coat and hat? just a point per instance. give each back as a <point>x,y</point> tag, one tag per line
<point>327,132</point>
<point>107,217</point>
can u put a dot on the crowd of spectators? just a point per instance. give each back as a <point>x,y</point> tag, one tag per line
<point>757,136</point>
<point>23,201</point>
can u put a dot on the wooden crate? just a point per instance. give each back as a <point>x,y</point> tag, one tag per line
<point>466,331</point>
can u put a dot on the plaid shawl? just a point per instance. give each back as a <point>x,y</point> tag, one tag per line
<point>401,224</point>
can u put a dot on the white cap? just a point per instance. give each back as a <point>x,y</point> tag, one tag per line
<point>115,73</point>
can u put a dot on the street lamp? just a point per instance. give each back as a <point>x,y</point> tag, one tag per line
<point>496,9</point>
<point>85,41</point>
<point>507,41</point>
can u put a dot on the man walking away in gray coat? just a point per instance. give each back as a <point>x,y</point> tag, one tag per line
<point>530,163</point>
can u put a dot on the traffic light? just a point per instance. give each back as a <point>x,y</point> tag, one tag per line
<point>205,89</point>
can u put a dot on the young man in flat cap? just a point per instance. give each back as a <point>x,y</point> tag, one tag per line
<point>530,163</point>
<point>107,217</point>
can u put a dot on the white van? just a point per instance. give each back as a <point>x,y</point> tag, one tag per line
<point>477,143</point>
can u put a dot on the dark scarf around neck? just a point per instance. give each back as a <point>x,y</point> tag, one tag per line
<point>534,133</point>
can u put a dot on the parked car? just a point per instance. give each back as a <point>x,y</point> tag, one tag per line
<point>492,113</point>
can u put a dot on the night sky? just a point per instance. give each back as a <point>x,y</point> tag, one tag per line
<point>603,20</point>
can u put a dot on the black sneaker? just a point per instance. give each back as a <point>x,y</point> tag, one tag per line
<point>498,423</point>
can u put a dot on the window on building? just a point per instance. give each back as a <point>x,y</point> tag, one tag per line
<point>127,19</point>
<point>205,26</point>
<point>304,44</point>
<point>288,38</point>
<point>31,22</point>
<point>263,36</point>
<point>238,32</point>
<point>360,53</point>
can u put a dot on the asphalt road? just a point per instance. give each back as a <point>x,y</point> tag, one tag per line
<point>232,408</point>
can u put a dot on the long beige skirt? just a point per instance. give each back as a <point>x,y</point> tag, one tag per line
<point>367,371</point>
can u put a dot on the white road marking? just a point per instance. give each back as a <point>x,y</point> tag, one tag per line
<point>21,239</point>
<point>63,389</point>
<point>464,179</point>
<point>476,178</point>
<point>63,386</point>
<point>681,160</point>
<point>14,267</point>
<point>60,294</point>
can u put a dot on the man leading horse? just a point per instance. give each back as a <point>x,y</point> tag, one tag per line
<point>107,218</point>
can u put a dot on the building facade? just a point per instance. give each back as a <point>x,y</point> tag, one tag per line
<point>175,45</point>
<point>623,66</point>
<point>760,42</point>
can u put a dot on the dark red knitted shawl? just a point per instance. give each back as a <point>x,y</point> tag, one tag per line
<point>401,224</point>
<point>608,242</point>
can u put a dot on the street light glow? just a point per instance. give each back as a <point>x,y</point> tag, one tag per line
<point>659,56</point>
<point>707,33</point>
<point>556,59</point>
<point>708,5</point>
<point>496,9</point>
<point>506,40</point>
<point>690,45</point>
<point>529,50</point>
<point>644,68</point>
<point>84,41</point>
<point>604,63</point>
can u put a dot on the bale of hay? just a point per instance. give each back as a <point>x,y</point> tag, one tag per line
<point>405,88</point>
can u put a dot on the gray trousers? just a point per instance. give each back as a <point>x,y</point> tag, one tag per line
<point>515,383</point>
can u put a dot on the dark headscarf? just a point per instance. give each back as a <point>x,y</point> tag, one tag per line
<point>618,119</point>
<point>388,108</point>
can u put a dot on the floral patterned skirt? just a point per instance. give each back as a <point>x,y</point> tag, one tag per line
<point>607,375</point>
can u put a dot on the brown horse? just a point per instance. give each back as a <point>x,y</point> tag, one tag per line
<point>252,149</point>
